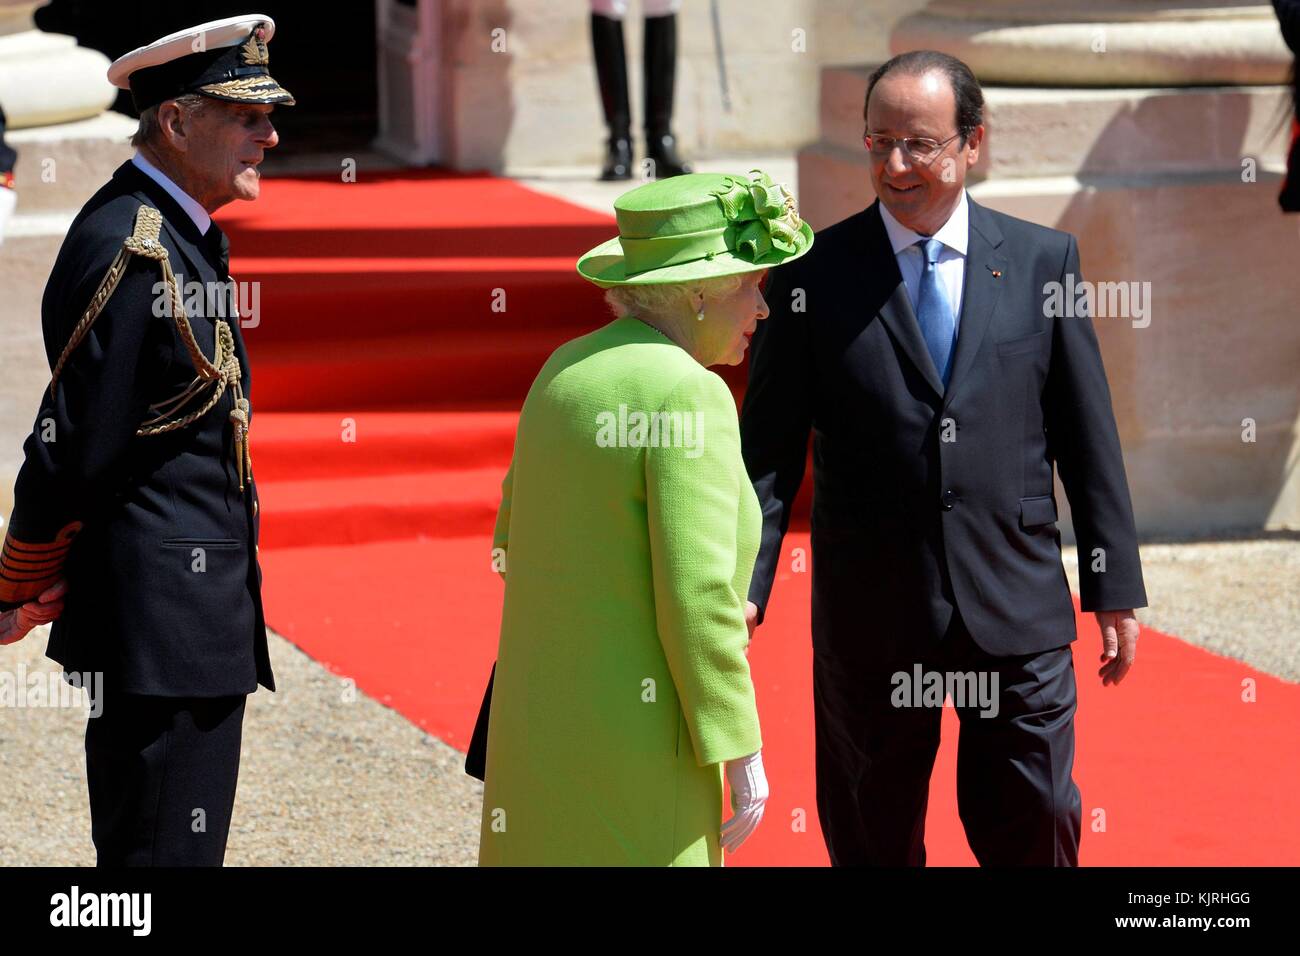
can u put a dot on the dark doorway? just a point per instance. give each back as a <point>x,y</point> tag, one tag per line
<point>323,54</point>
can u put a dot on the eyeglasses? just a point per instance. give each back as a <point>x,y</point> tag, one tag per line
<point>920,148</point>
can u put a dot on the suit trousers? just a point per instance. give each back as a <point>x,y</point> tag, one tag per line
<point>875,751</point>
<point>162,773</point>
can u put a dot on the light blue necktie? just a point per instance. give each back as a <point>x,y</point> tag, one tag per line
<point>934,312</point>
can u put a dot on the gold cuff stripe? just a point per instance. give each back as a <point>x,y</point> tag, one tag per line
<point>29,556</point>
<point>51,572</point>
<point>41,564</point>
<point>34,559</point>
<point>52,559</point>
<point>61,541</point>
<point>19,547</point>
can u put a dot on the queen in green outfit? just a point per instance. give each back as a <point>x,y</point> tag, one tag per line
<point>626,537</point>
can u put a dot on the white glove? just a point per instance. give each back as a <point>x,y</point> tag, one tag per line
<point>748,795</point>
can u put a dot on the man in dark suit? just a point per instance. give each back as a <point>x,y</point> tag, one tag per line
<point>136,496</point>
<point>918,342</point>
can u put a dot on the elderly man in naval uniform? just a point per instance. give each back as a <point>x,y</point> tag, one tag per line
<point>135,520</point>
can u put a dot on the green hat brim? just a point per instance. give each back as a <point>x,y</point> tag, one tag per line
<point>604,265</point>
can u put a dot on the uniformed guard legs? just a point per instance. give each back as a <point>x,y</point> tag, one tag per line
<point>611,73</point>
<point>660,72</point>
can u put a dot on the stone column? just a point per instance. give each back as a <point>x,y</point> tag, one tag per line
<point>46,78</point>
<point>1104,42</point>
<point>55,96</point>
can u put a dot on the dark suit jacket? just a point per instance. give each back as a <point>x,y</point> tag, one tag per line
<point>137,609</point>
<point>907,526</point>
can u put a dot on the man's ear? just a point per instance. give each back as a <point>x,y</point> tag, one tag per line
<point>173,125</point>
<point>973,143</point>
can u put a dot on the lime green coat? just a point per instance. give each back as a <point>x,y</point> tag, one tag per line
<point>621,681</point>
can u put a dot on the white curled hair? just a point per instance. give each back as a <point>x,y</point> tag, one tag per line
<point>668,299</point>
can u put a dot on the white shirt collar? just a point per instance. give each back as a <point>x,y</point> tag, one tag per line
<point>191,207</point>
<point>955,233</point>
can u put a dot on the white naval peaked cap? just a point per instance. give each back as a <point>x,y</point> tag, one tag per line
<point>225,59</point>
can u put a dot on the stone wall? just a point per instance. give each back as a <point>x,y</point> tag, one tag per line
<point>536,103</point>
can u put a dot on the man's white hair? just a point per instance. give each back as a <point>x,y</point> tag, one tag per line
<point>668,299</point>
<point>149,130</point>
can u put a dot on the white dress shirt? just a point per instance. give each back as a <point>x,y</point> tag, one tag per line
<point>954,234</point>
<point>191,207</point>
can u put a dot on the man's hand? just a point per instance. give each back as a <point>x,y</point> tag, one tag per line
<point>1119,640</point>
<point>17,622</point>
<point>751,620</point>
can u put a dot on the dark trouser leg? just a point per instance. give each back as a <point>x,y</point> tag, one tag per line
<point>611,74</point>
<point>162,773</point>
<point>660,72</point>
<point>873,767</point>
<point>1015,793</point>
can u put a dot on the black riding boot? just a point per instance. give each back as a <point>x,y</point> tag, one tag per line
<point>660,71</point>
<point>611,73</point>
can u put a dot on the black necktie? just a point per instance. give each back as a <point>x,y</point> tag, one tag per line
<point>218,250</point>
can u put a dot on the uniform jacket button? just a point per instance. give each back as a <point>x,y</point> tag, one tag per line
<point>949,499</point>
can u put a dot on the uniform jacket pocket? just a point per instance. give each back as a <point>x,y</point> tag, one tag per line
<point>220,544</point>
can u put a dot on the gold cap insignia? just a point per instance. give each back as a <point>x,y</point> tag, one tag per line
<point>254,52</point>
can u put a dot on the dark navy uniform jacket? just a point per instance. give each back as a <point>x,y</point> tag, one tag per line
<point>156,540</point>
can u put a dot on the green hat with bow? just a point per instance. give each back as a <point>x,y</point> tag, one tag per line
<point>698,226</point>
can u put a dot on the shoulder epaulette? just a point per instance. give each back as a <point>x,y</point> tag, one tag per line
<point>142,241</point>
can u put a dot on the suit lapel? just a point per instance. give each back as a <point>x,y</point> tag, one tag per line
<point>897,313</point>
<point>986,270</point>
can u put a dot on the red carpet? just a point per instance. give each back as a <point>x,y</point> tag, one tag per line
<point>385,388</point>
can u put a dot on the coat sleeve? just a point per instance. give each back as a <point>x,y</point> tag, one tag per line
<point>501,533</point>
<point>692,506</point>
<point>775,422</point>
<point>1083,439</point>
<point>78,445</point>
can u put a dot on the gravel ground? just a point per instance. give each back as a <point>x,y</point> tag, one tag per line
<point>327,782</point>
<point>322,782</point>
